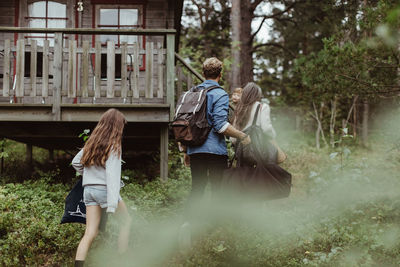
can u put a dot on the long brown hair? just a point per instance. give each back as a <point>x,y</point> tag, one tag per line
<point>106,138</point>
<point>251,93</point>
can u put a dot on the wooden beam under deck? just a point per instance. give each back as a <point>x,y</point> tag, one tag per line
<point>154,113</point>
<point>65,135</point>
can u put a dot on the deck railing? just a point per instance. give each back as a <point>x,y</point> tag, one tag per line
<point>186,75</point>
<point>71,71</point>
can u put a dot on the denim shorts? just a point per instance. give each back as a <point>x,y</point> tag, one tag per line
<point>96,195</point>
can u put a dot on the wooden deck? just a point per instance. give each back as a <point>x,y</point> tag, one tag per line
<point>72,73</point>
<point>151,113</point>
<point>49,107</point>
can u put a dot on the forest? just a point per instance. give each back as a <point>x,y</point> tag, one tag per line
<point>331,73</point>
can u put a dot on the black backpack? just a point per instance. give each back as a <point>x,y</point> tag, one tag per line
<point>190,125</point>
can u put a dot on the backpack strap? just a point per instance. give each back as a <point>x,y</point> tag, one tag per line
<point>212,88</point>
<point>256,114</point>
<point>179,107</point>
<point>196,88</point>
<point>205,91</point>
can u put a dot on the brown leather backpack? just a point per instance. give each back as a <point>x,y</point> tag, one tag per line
<point>190,125</point>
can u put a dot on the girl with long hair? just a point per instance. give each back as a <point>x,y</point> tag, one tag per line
<point>246,109</point>
<point>99,162</point>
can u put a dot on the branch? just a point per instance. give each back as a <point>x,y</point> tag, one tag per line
<point>367,83</point>
<point>286,19</point>
<point>259,28</point>
<point>351,110</point>
<point>255,48</point>
<point>200,13</point>
<point>317,118</point>
<point>278,13</point>
<point>254,5</point>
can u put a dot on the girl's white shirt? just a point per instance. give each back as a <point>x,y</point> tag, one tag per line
<point>110,176</point>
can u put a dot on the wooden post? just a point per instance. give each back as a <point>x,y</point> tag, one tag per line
<point>20,68</point>
<point>180,78</point>
<point>149,70</point>
<point>164,153</point>
<point>135,71</point>
<point>110,69</point>
<point>58,75</point>
<point>33,66</point>
<point>6,68</point>
<point>160,57</point>
<point>124,87</point>
<point>85,68</point>
<point>97,71</point>
<point>72,69</point>
<point>45,72</point>
<point>170,70</point>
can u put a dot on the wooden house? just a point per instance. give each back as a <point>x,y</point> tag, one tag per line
<point>64,62</point>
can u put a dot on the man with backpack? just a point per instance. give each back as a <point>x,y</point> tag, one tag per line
<point>203,143</point>
<point>209,159</point>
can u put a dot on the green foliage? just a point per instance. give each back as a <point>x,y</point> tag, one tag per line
<point>30,228</point>
<point>14,154</point>
<point>84,135</point>
<point>207,34</point>
<point>3,154</point>
<point>329,229</point>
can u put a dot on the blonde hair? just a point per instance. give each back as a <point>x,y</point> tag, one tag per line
<point>212,67</point>
<point>237,90</point>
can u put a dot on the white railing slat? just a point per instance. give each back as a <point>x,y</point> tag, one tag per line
<point>6,68</point>
<point>110,69</point>
<point>33,66</point>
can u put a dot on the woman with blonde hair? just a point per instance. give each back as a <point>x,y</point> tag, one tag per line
<point>235,98</point>
<point>99,162</point>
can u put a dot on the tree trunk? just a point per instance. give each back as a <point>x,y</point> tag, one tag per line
<point>332,122</point>
<point>319,132</point>
<point>236,44</point>
<point>355,124</point>
<point>365,122</point>
<point>246,51</point>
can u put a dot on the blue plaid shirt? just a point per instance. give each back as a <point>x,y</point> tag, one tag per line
<point>217,116</point>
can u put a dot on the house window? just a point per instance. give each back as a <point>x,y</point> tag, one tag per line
<point>119,17</point>
<point>46,14</point>
<point>43,14</point>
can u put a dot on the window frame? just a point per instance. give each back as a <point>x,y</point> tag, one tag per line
<point>22,20</point>
<point>141,7</point>
<point>46,18</point>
